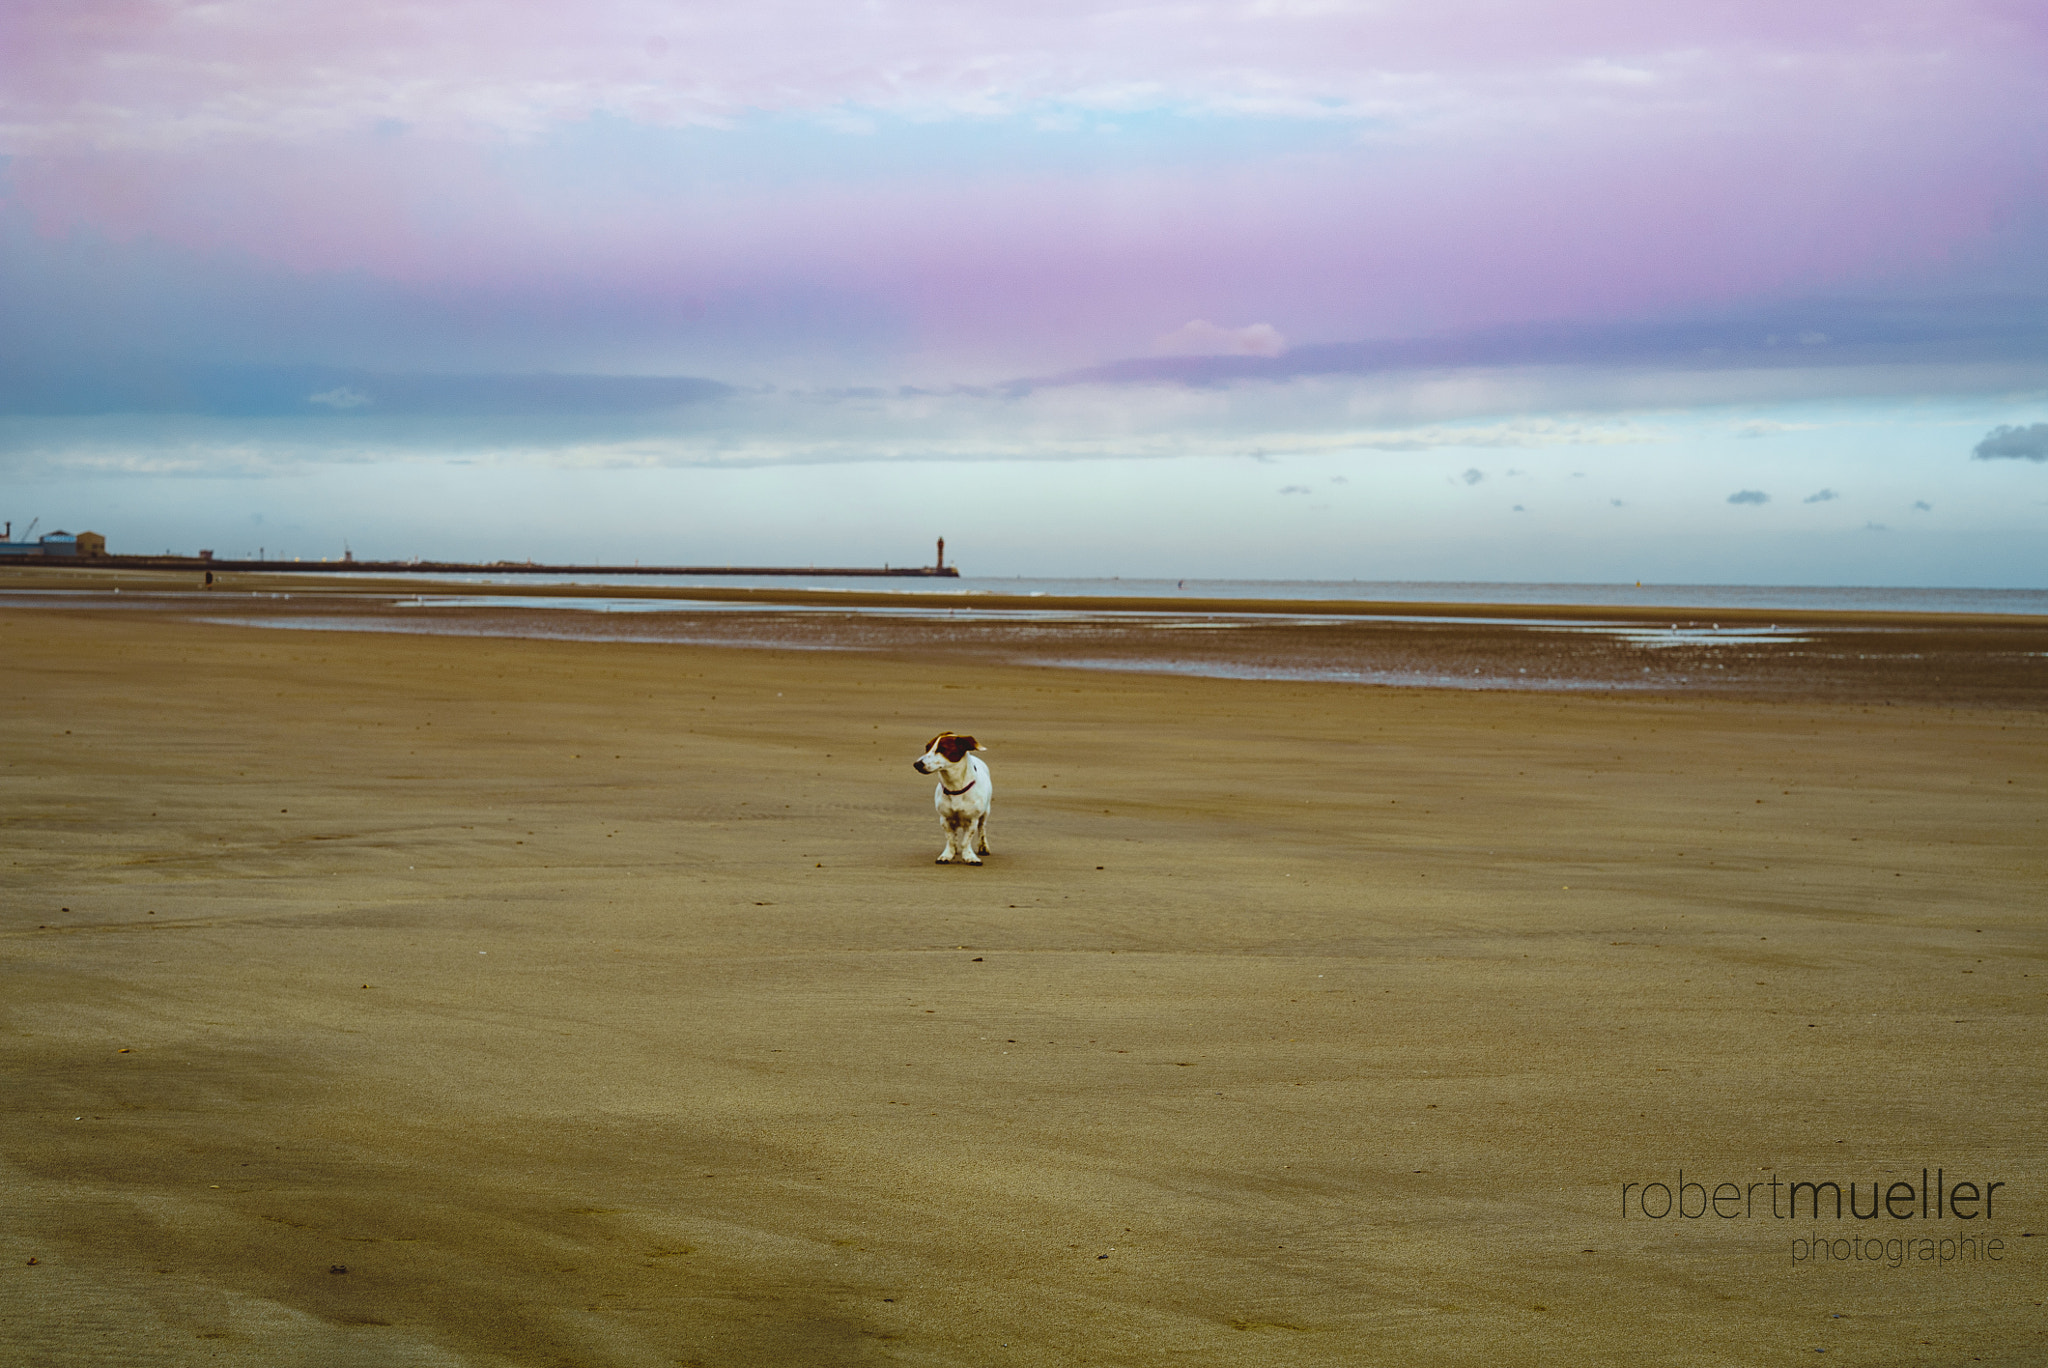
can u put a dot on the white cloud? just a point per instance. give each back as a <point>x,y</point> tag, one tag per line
<point>341,397</point>
<point>198,70</point>
<point>1765,427</point>
<point>1603,72</point>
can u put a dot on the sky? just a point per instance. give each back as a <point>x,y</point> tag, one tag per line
<point>1542,290</point>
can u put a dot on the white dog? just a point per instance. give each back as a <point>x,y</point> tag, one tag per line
<point>962,796</point>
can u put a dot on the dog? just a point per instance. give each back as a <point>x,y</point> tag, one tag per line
<point>962,797</point>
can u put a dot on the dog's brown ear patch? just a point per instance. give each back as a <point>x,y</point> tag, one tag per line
<point>968,743</point>
<point>953,747</point>
<point>933,744</point>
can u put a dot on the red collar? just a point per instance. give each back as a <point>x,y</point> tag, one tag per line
<point>955,793</point>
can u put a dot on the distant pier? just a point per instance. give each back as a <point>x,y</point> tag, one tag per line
<point>362,567</point>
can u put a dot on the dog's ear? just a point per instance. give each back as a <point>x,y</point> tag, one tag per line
<point>933,744</point>
<point>968,743</point>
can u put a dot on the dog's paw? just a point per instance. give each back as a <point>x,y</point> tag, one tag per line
<point>973,861</point>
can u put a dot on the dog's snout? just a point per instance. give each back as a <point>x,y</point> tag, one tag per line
<point>918,765</point>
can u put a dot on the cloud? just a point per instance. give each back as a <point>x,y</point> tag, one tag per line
<point>251,418</point>
<point>56,387</point>
<point>192,71</point>
<point>1922,506</point>
<point>2028,443</point>
<point>1873,338</point>
<point>1818,496</point>
<point>1199,337</point>
<point>340,397</point>
<point>1296,489</point>
<point>652,188</point>
<point>1473,476</point>
<point>1516,433</point>
<point>1749,496</point>
<point>1768,427</point>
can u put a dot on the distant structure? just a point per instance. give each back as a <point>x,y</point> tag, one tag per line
<point>59,543</point>
<point>70,547</point>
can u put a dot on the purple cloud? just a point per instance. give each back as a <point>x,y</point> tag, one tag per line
<point>1199,337</point>
<point>632,171</point>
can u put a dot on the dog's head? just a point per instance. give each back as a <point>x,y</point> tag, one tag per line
<point>944,749</point>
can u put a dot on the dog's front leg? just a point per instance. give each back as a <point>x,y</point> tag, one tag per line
<point>959,840</point>
<point>981,834</point>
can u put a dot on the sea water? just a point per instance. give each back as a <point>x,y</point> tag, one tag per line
<point>1810,598</point>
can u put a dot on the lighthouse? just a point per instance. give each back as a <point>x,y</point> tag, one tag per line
<point>942,555</point>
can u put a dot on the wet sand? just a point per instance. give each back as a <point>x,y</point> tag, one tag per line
<point>1966,660</point>
<point>597,1003</point>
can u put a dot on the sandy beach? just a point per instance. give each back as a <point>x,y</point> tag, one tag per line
<point>380,998</point>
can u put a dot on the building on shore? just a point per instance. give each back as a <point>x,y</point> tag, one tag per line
<point>84,545</point>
